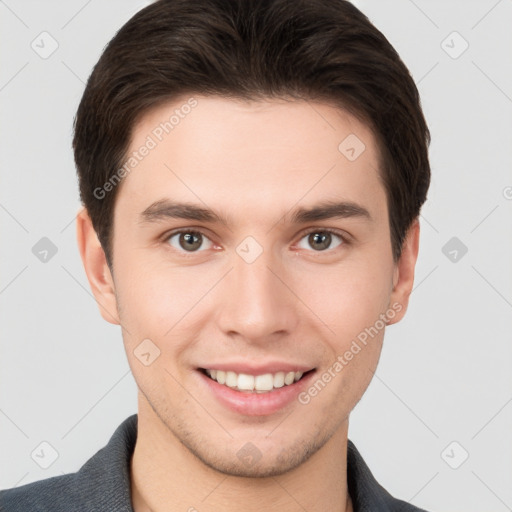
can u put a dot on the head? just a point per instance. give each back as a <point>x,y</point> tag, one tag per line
<point>292,137</point>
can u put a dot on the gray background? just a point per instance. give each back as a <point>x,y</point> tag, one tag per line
<point>445,371</point>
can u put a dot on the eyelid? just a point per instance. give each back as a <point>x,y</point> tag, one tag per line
<point>343,236</point>
<point>319,229</point>
<point>346,239</point>
<point>201,231</point>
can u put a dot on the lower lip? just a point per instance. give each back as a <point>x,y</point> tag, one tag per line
<point>256,404</point>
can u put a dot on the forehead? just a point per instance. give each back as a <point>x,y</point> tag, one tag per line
<point>253,155</point>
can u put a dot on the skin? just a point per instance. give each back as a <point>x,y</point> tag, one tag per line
<point>253,163</point>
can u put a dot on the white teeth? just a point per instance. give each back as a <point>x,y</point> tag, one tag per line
<point>231,379</point>
<point>259,383</point>
<point>279,380</point>
<point>289,378</point>
<point>263,382</point>
<point>245,382</point>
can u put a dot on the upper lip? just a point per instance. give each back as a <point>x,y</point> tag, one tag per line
<point>258,369</point>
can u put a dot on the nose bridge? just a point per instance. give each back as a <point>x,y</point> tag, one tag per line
<point>256,303</point>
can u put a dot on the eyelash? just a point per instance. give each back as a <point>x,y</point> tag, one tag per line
<point>344,238</point>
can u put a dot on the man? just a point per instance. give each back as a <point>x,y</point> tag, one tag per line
<point>252,174</point>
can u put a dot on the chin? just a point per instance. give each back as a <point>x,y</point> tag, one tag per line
<point>249,461</point>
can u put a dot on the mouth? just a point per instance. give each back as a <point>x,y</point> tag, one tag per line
<point>255,384</point>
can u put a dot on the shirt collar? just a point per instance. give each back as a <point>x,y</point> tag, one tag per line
<point>109,473</point>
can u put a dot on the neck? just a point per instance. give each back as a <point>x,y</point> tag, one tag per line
<point>166,476</point>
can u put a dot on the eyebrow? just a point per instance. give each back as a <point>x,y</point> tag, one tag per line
<point>330,210</point>
<point>166,209</point>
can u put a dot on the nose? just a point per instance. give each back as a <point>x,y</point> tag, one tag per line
<point>258,303</point>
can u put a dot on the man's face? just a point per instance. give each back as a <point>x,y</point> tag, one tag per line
<point>264,293</point>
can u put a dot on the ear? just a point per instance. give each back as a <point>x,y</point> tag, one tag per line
<point>403,277</point>
<point>96,267</point>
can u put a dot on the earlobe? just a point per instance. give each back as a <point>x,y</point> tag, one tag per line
<point>96,267</point>
<point>403,276</point>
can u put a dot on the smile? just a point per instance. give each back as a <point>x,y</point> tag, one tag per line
<point>264,383</point>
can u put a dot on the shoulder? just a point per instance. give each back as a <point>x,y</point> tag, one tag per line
<point>54,494</point>
<point>366,493</point>
<point>102,483</point>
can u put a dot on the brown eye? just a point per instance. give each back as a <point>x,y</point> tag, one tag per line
<point>189,241</point>
<point>321,240</point>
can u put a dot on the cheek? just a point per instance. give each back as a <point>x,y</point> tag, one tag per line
<point>163,303</point>
<point>156,305</point>
<point>348,298</point>
<point>351,302</point>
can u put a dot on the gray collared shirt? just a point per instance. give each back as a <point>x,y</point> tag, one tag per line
<point>103,483</point>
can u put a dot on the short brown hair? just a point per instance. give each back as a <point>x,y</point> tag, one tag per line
<point>252,49</point>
